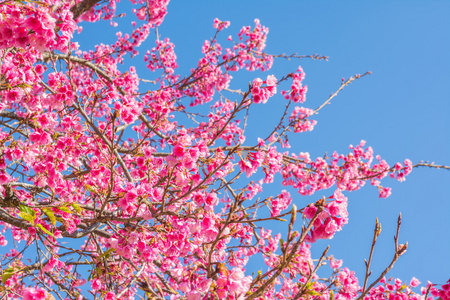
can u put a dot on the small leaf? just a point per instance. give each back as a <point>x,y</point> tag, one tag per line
<point>7,274</point>
<point>65,209</point>
<point>49,213</point>
<point>89,188</point>
<point>27,217</point>
<point>99,271</point>
<point>77,208</point>
<point>45,230</point>
<point>107,252</point>
<point>27,210</point>
<point>313,293</point>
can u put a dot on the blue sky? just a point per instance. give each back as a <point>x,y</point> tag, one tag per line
<point>402,110</point>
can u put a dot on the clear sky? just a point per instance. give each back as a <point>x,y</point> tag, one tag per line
<point>402,110</point>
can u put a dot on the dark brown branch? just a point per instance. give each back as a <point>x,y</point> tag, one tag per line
<point>82,7</point>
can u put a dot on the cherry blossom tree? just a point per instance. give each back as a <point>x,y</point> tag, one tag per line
<point>117,186</point>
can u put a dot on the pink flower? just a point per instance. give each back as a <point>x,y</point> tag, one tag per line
<point>40,137</point>
<point>4,178</point>
<point>310,211</point>
<point>384,191</point>
<point>414,282</point>
<point>13,95</point>
<point>34,294</point>
<point>194,296</point>
<point>96,284</point>
<point>220,25</point>
<point>110,296</point>
<point>247,167</point>
<point>335,263</point>
<point>52,263</point>
<point>178,151</point>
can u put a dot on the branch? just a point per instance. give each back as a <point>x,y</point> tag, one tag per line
<point>288,259</point>
<point>295,55</point>
<point>319,264</point>
<point>85,230</point>
<point>376,233</point>
<point>431,165</point>
<point>7,218</point>
<point>138,274</point>
<point>105,76</point>
<point>343,85</point>
<point>107,143</point>
<point>399,251</point>
<point>82,7</point>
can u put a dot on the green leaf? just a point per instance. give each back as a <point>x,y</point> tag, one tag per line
<point>64,209</point>
<point>107,252</point>
<point>89,188</point>
<point>45,230</point>
<point>49,213</point>
<point>77,208</point>
<point>27,210</point>
<point>313,293</point>
<point>7,274</point>
<point>27,217</point>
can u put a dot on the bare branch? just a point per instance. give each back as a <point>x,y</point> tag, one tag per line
<point>399,251</point>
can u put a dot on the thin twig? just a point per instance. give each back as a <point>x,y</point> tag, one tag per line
<point>376,233</point>
<point>399,251</point>
<point>318,265</point>
<point>287,260</point>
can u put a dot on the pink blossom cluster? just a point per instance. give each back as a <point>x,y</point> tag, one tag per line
<point>395,289</point>
<point>97,13</point>
<point>280,203</point>
<point>154,11</point>
<point>297,93</point>
<point>19,75</point>
<point>233,285</point>
<point>162,57</point>
<point>34,294</point>
<point>299,117</point>
<point>230,132</point>
<point>330,220</point>
<point>261,93</point>
<point>252,163</point>
<point>63,91</point>
<point>208,77</point>
<point>349,283</point>
<point>401,171</point>
<point>249,53</point>
<point>221,25</point>
<point>36,25</point>
<point>349,172</point>
<point>254,43</point>
<point>443,293</point>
